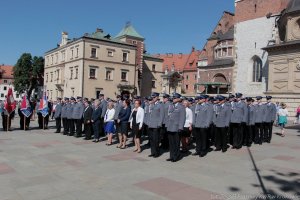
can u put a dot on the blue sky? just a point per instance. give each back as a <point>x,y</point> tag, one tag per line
<point>35,26</point>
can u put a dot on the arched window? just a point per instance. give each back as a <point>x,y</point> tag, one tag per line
<point>257,69</point>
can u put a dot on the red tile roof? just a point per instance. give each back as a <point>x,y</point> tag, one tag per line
<point>6,72</point>
<point>180,61</point>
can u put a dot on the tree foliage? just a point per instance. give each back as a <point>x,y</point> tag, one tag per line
<point>28,73</point>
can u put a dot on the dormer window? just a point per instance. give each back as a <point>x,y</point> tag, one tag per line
<point>224,49</point>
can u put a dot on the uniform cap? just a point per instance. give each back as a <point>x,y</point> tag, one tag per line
<point>238,95</point>
<point>176,96</point>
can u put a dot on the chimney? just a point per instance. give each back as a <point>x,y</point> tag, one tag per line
<point>64,38</point>
<point>193,49</point>
<point>180,55</point>
<point>99,30</point>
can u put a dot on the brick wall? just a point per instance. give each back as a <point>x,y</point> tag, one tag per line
<point>252,9</point>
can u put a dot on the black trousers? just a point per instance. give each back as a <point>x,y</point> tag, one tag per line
<point>211,136</point>
<point>174,144</point>
<point>78,124</point>
<point>58,124</point>
<point>237,131</point>
<point>230,134</point>
<point>201,139</point>
<point>249,132</point>
<point>40,120</point>
<point>101,127</point>
<point>88,129</point>
<point>4,122</point>
<point>71,126</point>
<point>221,138</point>
<point>268,129</point>
<point>96,130</point>
<point>259,132</point>
<point>66,125</point>
<point>164,137</point>
<point>154,137</point>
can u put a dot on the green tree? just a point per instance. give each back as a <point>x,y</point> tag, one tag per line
<point>28,73</point>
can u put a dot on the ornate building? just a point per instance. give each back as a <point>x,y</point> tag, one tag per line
<point>216,61</point>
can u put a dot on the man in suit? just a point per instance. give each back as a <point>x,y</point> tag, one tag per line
<point>70,109</point>
<point>238,120</point>
<point>202,120</point>
<point>77,116</point>
<point>64,115</point>
<point>259,110</point>
<point>87,120</point>
<point>103,106</point>
<point>222,117</point>
<point>269,118</point>
<point>155,121</point>
<point>175,126</point>
<point>96,120</point>
<point>57,115</point>
<point>164,134</point>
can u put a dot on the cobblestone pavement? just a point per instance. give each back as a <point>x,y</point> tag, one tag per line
<point>38,165</point>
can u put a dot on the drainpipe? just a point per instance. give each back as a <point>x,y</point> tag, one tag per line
<point>82,87</point>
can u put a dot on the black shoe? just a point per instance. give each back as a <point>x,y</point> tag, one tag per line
<point>56,132</point>
<point>151,155</point>
<point>224,150</point>
<point>202,154</point>
<point>217,149</point>
<point>156,156</point>
<point>169,159</point>
<point>195,154</point>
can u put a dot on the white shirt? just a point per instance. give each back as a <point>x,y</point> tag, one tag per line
<point>188,117</point>
<point>283,112</point>
<point>109,115</point>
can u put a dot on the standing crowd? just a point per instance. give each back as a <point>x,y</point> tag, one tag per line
<point>170,123</point>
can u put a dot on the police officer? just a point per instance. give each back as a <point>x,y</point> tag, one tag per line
<point>146,118</point>
<point>269,118</point>
<point>103,106</point>
<point>250,123</point>
<point>70,109</point>
<point>77,116</point>
<point>64,115</point>
<point>57,115</point>
<point>202,120</point>
<point>239,116</point>
<point>175,125</point>
<point>222,119</point>
<point>258,116</point>
<point>164,134</point>
<point>155,121</point>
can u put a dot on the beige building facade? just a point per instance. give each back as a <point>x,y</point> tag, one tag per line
<point>91,65</point>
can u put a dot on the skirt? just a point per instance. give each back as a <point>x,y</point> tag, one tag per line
<point>136,132</point>
<point>109,127</point>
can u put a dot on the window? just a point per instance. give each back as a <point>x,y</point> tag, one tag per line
<point>4,81</point>
<point>46,77</point>
<point>76,73</point>
<point>108,75</point>
<point>257,69</point>
<point>92,73</point>
<point>133,42</point>
<point>72,54</point>
<point>110,53</point>
<point>57,75</point>
<point>123,76</point>
<point>186,87</point>
<point>93,53</point>
<point>51,77</point>
<point>4,88</point>
<point>63,56</point>
<point>153,67</point>
<point>98,92</point>
<point>195,76</point>
<point>2,95</point>
<point>125,57</point>
<point>52,60</point>
<point>187,77</point>
<point>77,52</point>
<point>56,58</point>
<point>71,73</point>
<point>153,84</point>
<point>255,8</point>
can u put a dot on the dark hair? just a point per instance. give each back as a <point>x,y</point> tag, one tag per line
<point>139,101</point>
<point>127,102</point>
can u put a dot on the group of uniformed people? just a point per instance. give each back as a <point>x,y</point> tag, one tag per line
<point>174,120</point>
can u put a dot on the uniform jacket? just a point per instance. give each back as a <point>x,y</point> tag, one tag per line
<point>156,115</point>
<point>222,116</point>
<point>270,112</point>
<point>103,106</point>
<point>58,110</point>
<point>78,111</point>
<point>239,112</point>
<point>166,109</point>
<point>64,110</point>
<point>70,109</point>
<point>259,113</point>
<point>202,115</point>
<point>250,118</point>
<point>176,118</point>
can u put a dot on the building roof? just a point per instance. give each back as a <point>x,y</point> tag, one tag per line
<point>180,61</point>
<point>290,44</point>
<point>152,57</point>
<point>221,63</point>
<point>129,30</point>
<point>6,71</point>
<point>229,35</point>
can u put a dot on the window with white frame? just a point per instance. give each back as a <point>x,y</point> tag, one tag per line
<point>110,53</point>
<point>47,77</point>
<point>224,49</point>
<point>51,76</point>
<point>76,72</point>
<point>4,88</point>
<point>125,56</point>
<point>4,81</point>
<point>153,84</point>
<point>92,73</point>
<point>109,74</point>
<point>93,52</point>
<point>72,53</point>
<point>63,56</point>
<point>257,69</point>
<point>71,73</point>
<point>77,52</point>
<point>124,75</point>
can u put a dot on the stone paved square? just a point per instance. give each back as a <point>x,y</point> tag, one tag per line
<point>43,165</point>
